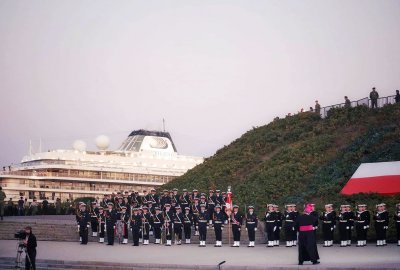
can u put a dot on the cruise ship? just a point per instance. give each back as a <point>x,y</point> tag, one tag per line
<point>145,160</point>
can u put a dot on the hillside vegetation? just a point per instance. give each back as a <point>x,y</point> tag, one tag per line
<point>301,158</point>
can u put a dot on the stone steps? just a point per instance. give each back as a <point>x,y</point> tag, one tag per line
<point>9,263</point>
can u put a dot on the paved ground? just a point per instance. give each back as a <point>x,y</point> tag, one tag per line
<point>259,257</point>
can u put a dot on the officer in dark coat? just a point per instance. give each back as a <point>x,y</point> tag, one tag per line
<point>102,222</point>
<point>157,223</point>
<point>111,219</point>
<point>307,242</point>
<point>290,217</point>
<point>178,225</point>
<point>84,224</point>
<point>251,225</point>
<point>165,199</point>
<point>344,225</point>
<point>237,221</point>
<point>351,216</point>
<point>381,224</point>
<point>362,220</point>
<point>168,221</point>
<point>278,225</point>
<point>195,212</point>
<point>203,219</point>
<point>94,222</point>
<point>136,224</point>
<point>146,219</point>
<point>187,224</point>
<point>328,219</point>
<point>218,220</point>
<point>396,217</point>
<point>270,224</point>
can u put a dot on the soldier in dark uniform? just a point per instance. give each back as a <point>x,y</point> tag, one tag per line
<point>78,210</point>
<point>175,197</point>
<point>344,225</point>
<point>290,216</point>
<point>203,218</point>
<point>218,220</point>
<point>101,221</point>
<point>328,219</point>
<point>94,222</point>
<point>196,211</point>
<point>195,194</point>
<point>111,219</point>
<point>237,221</point>
<point>381,224</point>
<point>305,224</point>
<point>168,220</point>
<point>396,218</point>
<point>136,224</point>
<point>154,198</point>
<point>157,223</point>
<point>165,199</point>
<point>184,199</point>
<point>146,219</point>
<point>84,221</point>
<point>187,224</point>
<point>124,217</point>
<point>178,220</point>
<point>362,220</point>
<point>278,225</point>
<point>316,215</point>
<point>351,217</point>
<point>105,201</point>
<point>270,224</point>
<point>211,202</point>
<point>143,198</point>
<point>251,225</point>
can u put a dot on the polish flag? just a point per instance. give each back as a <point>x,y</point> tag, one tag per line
<point>381,177</point>
<point>228,201</point>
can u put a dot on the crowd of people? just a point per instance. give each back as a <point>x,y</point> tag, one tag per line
<point>173,216</point>
<point>373,96</point>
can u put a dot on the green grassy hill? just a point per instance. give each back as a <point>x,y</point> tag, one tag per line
<point>301,158</point>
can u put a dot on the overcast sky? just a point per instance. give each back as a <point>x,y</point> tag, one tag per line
<point>213,69</point>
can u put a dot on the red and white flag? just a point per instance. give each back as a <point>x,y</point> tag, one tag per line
<point>380,177</point>
<point>228,202</point>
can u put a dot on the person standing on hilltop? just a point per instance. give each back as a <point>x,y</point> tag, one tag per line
<point>317,108</point>
<point>347,102</point>
<point>374,98</point>
<point>307,241</point>
<point>397,97</point>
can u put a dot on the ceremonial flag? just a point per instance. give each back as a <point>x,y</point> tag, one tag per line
<point>228,202</point>
<point>380,177</point>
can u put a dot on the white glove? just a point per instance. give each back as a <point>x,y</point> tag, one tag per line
<point>225,222</point>
<point>114,227</point>
<point>255,229</point>
<point>314,228</point>
<point>222,228</point>
<point>239,229</point>
<point>292,228</point>
<point>274,228</point>
<point>280,228</point>
<point>210,222</point>
<point>352,227</point>
<point>197,228</point>
<point>365,227</point>
<point>78,227</point>
<point>334,226</point>
<point>331,228</point>
<point>246,229</point>
<point>88,225</point>
<point>347,227</point>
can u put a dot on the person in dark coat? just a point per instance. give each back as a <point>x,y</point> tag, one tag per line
<point>396,218</point>
<point>307,241</point>
<point>328,219</point>
<point>30,245</point>
<point>381,218</point>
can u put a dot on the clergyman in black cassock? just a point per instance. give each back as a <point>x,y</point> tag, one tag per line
<point>307,241</point>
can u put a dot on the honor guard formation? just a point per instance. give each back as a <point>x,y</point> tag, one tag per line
<point>171,216</point>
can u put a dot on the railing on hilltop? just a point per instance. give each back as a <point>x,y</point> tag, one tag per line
<point>361,102</point>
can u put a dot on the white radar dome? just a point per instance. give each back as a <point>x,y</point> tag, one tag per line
<point>102,142</point>
<point>79,145</point>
